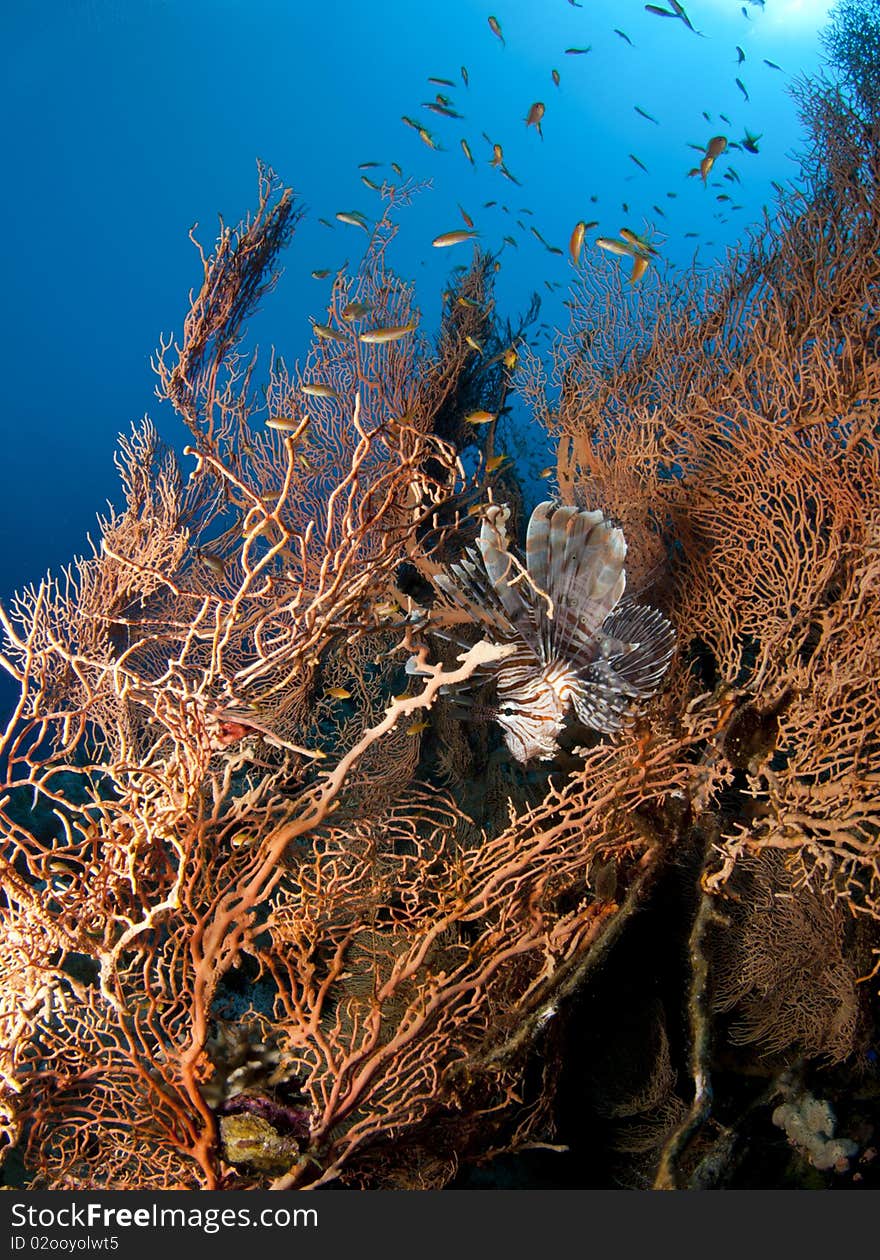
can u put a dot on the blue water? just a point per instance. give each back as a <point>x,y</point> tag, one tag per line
<point>128,120</point>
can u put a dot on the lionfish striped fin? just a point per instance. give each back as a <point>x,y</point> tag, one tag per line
<point>598,701</point>
<point>502,569</point>
<point>585,576</point>
<point>649,641</point>
<point>537,556</point>
<point>465,587</point>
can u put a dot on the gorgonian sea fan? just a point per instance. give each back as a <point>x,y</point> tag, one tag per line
<point>579,642</point>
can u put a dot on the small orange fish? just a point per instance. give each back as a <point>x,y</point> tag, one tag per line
<point>339,693</point>
<point>320,391</point>
<point>356,310</point>
<point>534,116</point>
<point>481,417</point>
<point>327,333</point>
<point>453,238</point>
<point>417,728</point>
<point>215,564</point>
<point>495,462</point>
<point>378,336</point>
<point>575,245</point>
<point>495,28</point>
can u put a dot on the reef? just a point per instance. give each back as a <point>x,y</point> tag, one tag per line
<point>294,894</point>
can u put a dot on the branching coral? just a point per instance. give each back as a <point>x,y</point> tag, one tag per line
<point>249,939</point>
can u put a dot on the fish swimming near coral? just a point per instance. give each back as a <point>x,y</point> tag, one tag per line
<point>580,645</point>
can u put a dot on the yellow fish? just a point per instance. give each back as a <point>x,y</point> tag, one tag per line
<point>320,391</point>
<point>328,333</point>
<point>453,238</point>
<point>495,462</point>
<point>497,155</point>
<point>474,344</point>
<point>354,217</point>
<point>510,357</point>
<point>575,245</point>
<point>495,28</point>
<point>547,472</point>
<point>466,150</point>
<point>215,564</point>
<point>284,424</point>
<point>339,693</point>
<point>534,116</point>
<point>356,310</point>
<point>481,417</point>
<point>641,243</point>
<point>377,336</point>
<point>243,840</point>
<point>640,266</point>
<point>417,728</point>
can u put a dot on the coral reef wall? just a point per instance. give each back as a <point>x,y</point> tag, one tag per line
<point>271,903</point>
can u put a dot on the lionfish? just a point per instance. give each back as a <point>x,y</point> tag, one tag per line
<point>579,643</point>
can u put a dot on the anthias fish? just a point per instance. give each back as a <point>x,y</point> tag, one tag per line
<point>534,116</point>
<point>320,391</point>
<point>352,217</point>
<point>393,332</point>
<point>576,242</point>
<point>453,238</point>
<point>327,333</point>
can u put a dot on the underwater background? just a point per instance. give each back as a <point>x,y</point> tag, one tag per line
<point>127,123</point>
